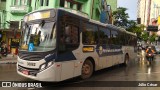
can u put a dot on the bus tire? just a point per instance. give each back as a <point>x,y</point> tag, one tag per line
<point>87,69</point>
<point>126,60</point>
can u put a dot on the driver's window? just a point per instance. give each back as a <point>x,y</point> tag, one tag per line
<point>69,33</point>
<point>69,38</point>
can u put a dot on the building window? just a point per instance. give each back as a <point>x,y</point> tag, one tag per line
<point>29,2</point>
<point>23,2</point>
<point>71,5</point>
<point>16,2</point>
<point>3,0</point>
<point>79,6</point>
<point>47,2</point>
<point>41,2</point>
<point>14,24</point>
<point>62,3</point>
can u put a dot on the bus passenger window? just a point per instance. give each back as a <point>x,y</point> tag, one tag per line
<point>90,34</point>
<point>62,43</point>
<point>71,34</point>
<point>104,35</point>
<point>74,35</point>
<point>67,33</point>
<point>69,38</point>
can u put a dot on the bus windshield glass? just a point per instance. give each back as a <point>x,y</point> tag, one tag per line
<point>41,36</point>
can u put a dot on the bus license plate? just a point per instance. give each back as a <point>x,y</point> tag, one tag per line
<point>25,72</point>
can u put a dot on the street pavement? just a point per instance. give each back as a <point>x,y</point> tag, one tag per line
<point>10,59</point>
<point>138,70</point>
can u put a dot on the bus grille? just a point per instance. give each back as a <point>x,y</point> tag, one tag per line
<point>31,56</point>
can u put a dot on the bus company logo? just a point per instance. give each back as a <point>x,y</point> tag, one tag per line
<point>6,84</point>
<point>100,50</point>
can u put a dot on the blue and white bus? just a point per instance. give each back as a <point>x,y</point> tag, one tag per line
<point>59,44</point>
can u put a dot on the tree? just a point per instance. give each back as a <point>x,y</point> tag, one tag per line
<point>152,37</point>
<point>121,17</point>
<point>138,29</point>
<point>121,20</point>
<point>145,36</point>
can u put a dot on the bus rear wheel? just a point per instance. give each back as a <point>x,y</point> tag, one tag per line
<point>87,69</point>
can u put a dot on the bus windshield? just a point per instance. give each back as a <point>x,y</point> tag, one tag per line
<point>41,35</point>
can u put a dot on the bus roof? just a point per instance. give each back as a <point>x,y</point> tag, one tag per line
<point>85,16</point>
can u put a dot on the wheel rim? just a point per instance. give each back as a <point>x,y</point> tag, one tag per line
<point>86,69</point>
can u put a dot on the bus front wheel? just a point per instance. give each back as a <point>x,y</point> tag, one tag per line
<point>87,69</point>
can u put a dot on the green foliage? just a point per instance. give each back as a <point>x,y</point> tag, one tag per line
<point>138,29</point>
<point>121,17</point>
<point>121,20</point>
<point>145,36</point>
<point>152,37</point>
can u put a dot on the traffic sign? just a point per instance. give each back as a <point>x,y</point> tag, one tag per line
<point>152,28</point>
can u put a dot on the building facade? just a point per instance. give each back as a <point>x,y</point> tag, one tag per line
<point>148,14</point>
<point>113,4</point>
<point>93,8</point>
<point>148,11</point>
<point>2,12</point>
<point>13,11</point>
<point>16,9</point>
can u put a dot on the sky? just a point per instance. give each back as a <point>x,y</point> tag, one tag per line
<point>131,5</point>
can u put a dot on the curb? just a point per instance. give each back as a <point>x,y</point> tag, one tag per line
<point>8,62</point>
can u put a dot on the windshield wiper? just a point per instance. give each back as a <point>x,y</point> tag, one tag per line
<point>28,32</point>
<point>52,31</point>
<point>42,23</point>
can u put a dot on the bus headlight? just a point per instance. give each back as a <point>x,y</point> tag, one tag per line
<point>49,64</point>
<point>42,66</point>
<point>46,65</point>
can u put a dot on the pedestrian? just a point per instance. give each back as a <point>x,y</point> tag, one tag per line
<point>4,50</point>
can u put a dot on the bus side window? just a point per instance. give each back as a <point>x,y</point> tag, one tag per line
<point>69,33</point>
<point>90,34</point>
<point>104,35</point>
<point>69,39</point>
<point>62,43</point>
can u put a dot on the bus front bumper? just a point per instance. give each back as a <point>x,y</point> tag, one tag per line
<point>48,74</point>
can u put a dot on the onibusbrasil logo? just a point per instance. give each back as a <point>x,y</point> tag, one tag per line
<point>22,84</point>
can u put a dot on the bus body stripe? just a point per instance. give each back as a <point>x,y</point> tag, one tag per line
<point>68,56</point>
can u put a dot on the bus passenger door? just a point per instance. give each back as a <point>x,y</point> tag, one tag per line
<point>68,44</point>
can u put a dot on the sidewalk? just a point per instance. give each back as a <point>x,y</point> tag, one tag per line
<point>9,59</point>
